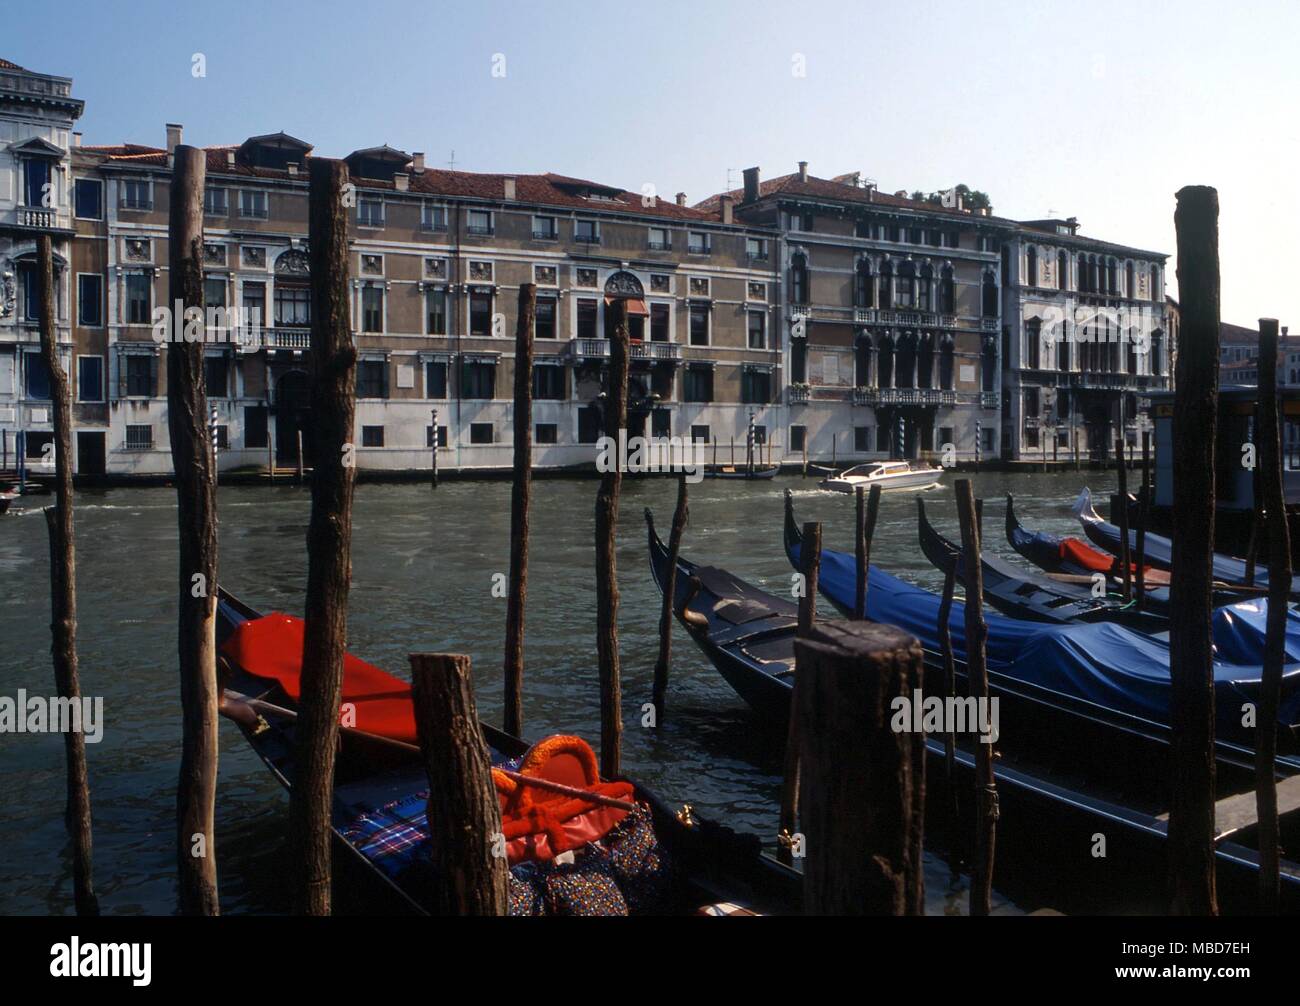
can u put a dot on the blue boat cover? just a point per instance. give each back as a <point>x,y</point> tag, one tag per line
<point>1111,665</point>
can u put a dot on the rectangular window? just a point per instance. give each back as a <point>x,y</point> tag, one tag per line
<point>214,202</point>
<point>698,384</point>
<point>435,310</point>
<point>659,239</point>
<point>442,436</point>
<point>544,229</point>
<point>139,438</point>
<point>755,386</point>
<point>544,319</point>
<point>370,212</point>
<point>255,304</point>
<point>214,292</point>
<point>659,330</point>
<point>586,231</point>
<point>222,440</point>
<point>700,433</point>
<point>90,378</point>
<point>479,380</point>
<point>586,319</point>
<point>699,324</point>
<point>88,198</point>
<point>798,437</point>
<point>38,376</point>
<point>698,243</point>
<point>136,194</point>
<point>757,330</point>
<point>433,217</point>
<point>372,436</point>
<point>139,299</point>
<point>481,433</point>
<point>548,382</point>
<point>255,426</point>
<point>216,375</point>
<point>478,221</point>
<point>372,379</point>
<point>36,177</point>
<point>252,203</point>
<point>139,375</point>
<point>90,300</point>
<point>756,248</point>
<point>372,309</point>
<point>435,379</point>
<point>862,439</point>
<point>480,312</point>
<point>546,433</point>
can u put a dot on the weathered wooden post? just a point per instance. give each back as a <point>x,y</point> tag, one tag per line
<point>1125,555</point>
<point>300,462</point>
<point>866,530</point>
<point>805,453</point>
<point>1074,433</point>
<point>949,691</point>
<point>862,798</point>
<point>329,537</point>
<point>680,516</point>
<point>520,495</point>
<point>1279,584</point>
<point>611,689</point>
<point>1144,516</point>
<point>196,512</point>
<point>63,591</point>
<point>981,891</point>
<point>810,558</point>
<point>463,812</point>
<point>1191,654</point>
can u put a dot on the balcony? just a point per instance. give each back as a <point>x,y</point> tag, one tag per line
<point>598,349</point>
<point>916,396</point>
<point>282,337</point>
<point>798,394</point>
<point>990,399</point>
<point>39,218</point>
<point>989,325</point>
<point>865,396</point>
<point>865,316</point>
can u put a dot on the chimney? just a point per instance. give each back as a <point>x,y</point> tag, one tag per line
<point>292,168</point>
<point>76,139</point>
<point>401,181</point>
<point>417,162</point>
<point>173,136</point>
<point>508,187</point>
<point>803,171</point>
<point>724,205</point>
<point>751,185</point>
<point>681,199</point>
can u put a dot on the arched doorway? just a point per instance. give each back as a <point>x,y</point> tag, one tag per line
<point>292,413</point>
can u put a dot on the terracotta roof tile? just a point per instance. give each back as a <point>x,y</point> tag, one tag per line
<point>823,188</point>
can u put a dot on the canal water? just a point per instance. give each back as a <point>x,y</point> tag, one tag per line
<point>423,563</point>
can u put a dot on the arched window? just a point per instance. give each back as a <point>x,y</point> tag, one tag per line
<point>924,286</point>
<point>862,362</point>
<point>1156,291</point>
<point>1084,274</point>
<point>886,284</point>
<point>947,293</point>
<point>905,288</point>
<point>925,360</point>
<point>799,278</point>
<point>1096,282</point>
<point>1112,276</point>
<point>905,364</point>
<point>864,288</point>
<point>1157,359</point>
<point>1129,289</point>
<point>989,295</point>
<point>1062,348</point>
<point>1033,345</point>
<point>1062,271</point>
<point>885,361</point>
<point>946,351</point>
<point>989,365</point>
<point>1031,266</point>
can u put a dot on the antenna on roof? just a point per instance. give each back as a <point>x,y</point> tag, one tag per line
<point>730,184</point>
<point>451,164</point>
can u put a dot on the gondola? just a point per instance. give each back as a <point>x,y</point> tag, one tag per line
<point>1031,596</point>
<point>1158,549</point>
<point>1105,687</point>
<point>1047,815</point>
<point>740,471</point>
<point>380,789</point>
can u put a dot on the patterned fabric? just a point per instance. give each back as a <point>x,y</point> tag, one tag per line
<point>724,908</point>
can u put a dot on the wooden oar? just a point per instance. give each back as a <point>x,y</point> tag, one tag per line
<point>231,700</point>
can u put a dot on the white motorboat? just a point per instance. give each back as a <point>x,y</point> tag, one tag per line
<point>886,474</point>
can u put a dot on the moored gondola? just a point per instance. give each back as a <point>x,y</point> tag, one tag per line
<point>687,865</point>
<point>1048,815</point>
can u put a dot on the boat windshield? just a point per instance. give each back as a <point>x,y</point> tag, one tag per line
<point>860,471</point>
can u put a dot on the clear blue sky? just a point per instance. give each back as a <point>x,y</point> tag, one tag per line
<point>1092,109</point>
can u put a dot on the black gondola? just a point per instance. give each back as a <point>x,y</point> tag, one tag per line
<point>713,865</point>
<point>1028,595</point>
<point>1050,818</point>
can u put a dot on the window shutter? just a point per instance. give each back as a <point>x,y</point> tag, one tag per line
<point>120,361</point>
<point>384,384</point>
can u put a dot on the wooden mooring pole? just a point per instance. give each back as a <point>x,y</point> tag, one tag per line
<point>865,531</point>
<point>1191,651</point>
<point>810,557</point>
<point>862,797</point>
<point>433,450</point>
<point>463,812</point>
<point>329,538</point>
<point>1125,555</point>
<point>520,494</point>
<point>949,691</point>
<point>1144,517</point>
<point>611,689</point>
<point>196,513</point>
<point>63,592</point>
<point>981,890</point>
<point>1279,583</point>
<point>680,516</point>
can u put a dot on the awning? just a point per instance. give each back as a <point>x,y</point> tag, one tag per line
<point>635,305</point>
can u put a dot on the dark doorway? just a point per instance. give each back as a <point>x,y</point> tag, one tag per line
<point>292,414</point>
<point>91,453</point>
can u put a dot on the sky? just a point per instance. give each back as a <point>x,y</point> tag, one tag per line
<point>1092,109</point>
